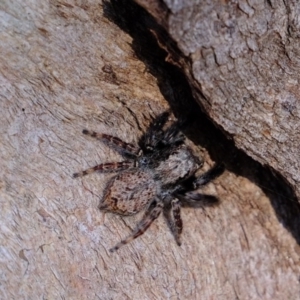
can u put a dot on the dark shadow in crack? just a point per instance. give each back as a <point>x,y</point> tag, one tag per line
<point>200,129</point>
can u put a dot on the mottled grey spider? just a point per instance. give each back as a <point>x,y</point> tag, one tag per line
<point>159,174</point>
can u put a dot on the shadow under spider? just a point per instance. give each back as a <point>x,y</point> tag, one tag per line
<point>134,20</point>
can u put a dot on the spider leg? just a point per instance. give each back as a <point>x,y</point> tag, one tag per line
<point>123,147</point>
<point>208,176</point>
<point>151,214</point>
<point>107,167</point>
<point>177,220</point>
<point>174,221</point>
<point>195,199</point>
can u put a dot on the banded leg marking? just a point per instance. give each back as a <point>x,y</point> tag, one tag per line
<point>107,167</point>
<point>142,226</point>
<point>177,230</point>
<point>127,147</point>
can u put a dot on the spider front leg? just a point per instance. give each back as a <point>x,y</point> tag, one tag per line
<point>123,147</point>
<point>209,176</point>
<point>107,167</point>
<point>150,215</point>
<point>196,199</point>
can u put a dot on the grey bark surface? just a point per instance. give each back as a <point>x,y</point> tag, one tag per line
<point>242,59</point>
<point>66,66</point>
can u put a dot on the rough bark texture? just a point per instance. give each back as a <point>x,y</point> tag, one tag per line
<point>242,59</point>
<point>65,66</point>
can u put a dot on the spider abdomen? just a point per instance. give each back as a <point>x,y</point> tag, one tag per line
<point>129,192</point>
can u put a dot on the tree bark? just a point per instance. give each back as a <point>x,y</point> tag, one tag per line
<point>67,66</point>
<point>242,61</point>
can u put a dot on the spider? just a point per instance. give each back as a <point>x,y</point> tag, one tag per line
<point>158,175</point>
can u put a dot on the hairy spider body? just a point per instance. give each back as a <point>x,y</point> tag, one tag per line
<point>129,192</point>
<point>158,176</point>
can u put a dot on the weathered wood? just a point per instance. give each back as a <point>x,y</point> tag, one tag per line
<point>242,60</point>
<point>67,66</point>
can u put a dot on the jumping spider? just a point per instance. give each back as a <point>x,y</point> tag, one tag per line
<point>158,174</point>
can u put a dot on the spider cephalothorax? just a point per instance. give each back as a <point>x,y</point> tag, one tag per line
<point>158,175</point>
